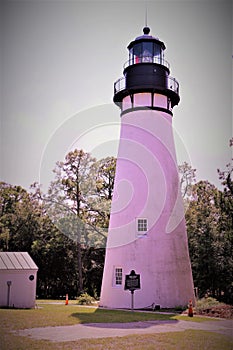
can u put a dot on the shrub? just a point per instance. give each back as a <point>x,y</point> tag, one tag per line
<point>212,307</point>
<point>85,299</point>
<point>206,303</point>
<point>179,308</point>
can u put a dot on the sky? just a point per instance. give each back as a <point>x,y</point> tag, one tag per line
<point>59,61</point>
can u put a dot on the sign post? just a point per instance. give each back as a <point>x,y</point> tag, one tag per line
<point>8,292</point>
<point>132,300</point>
<point>132,282</point>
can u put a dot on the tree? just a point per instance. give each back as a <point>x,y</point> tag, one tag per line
<point>209,223</point>
<point>18,218</point>
<point>100,203</point>
<point>226,175</point>
<point>67,199</point>
<point>93,261</point>
<point>187,180</point>
<point>201,219</point>
<point>106,174</point>
<point>55,255</point>
<point>78,201</point>
<point>210,243</point>
<point>226,228</point>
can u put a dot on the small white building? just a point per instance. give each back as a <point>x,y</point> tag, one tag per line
<point>18,274</point>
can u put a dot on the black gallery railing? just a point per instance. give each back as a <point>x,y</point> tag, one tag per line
<point>171,84</point>
<point>146,59</point>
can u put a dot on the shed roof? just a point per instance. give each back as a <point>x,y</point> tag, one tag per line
<point>16,261</point>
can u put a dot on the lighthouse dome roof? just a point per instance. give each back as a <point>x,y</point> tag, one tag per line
<point>145,37</point>
<point>146,31</point>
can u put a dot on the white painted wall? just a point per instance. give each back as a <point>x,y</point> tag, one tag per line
<point>22,289</point>
<point>147,186</point>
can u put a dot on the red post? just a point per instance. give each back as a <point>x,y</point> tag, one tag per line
<point>190,311</point>
<point>67,299</point>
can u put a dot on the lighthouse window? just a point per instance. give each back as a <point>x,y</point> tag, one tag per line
<point>157,50</point>
<point>118,276</point>
<point>137,50</point>
<point>142,225</point>
<point>147,52</point>
<point>169,104</point>
<point>158,53</point>
<point>148,47</point>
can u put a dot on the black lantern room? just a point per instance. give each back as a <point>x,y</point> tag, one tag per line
<point>146,71</point>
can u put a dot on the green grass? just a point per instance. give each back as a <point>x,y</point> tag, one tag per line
<point>58,301</point>
<point>198,319</point>
<point>60,314</point>
<point>187,340</point>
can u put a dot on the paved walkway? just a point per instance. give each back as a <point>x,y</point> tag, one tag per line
<point>105,330</point>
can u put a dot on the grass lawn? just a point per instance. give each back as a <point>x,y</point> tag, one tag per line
<point>60,314</point>
<point>63,315</point>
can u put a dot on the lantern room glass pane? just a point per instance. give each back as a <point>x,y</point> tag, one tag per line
<point>137,50</point>
<point>147,49</point>
<point>130,54</point>
<point>157,50</point>
<point>147,52</point>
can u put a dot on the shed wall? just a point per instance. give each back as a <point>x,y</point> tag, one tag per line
<point>22,292</point>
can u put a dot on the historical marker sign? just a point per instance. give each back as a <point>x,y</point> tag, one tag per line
<point>132,281</point>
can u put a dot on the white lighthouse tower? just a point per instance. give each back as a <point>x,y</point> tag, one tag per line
<point>147,231</point>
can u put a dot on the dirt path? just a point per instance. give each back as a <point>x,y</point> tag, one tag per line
<point>104,330</point>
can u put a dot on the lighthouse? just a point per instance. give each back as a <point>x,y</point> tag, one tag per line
<point>147,232</point>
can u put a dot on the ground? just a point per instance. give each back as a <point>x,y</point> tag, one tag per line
<point>59,326</point>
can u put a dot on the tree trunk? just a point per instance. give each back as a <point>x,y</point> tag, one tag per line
<point>80,269</point>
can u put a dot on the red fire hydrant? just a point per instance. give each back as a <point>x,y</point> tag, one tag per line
<point>190,308</point>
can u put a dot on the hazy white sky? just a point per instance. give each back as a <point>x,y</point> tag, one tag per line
<point>59,60</point>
